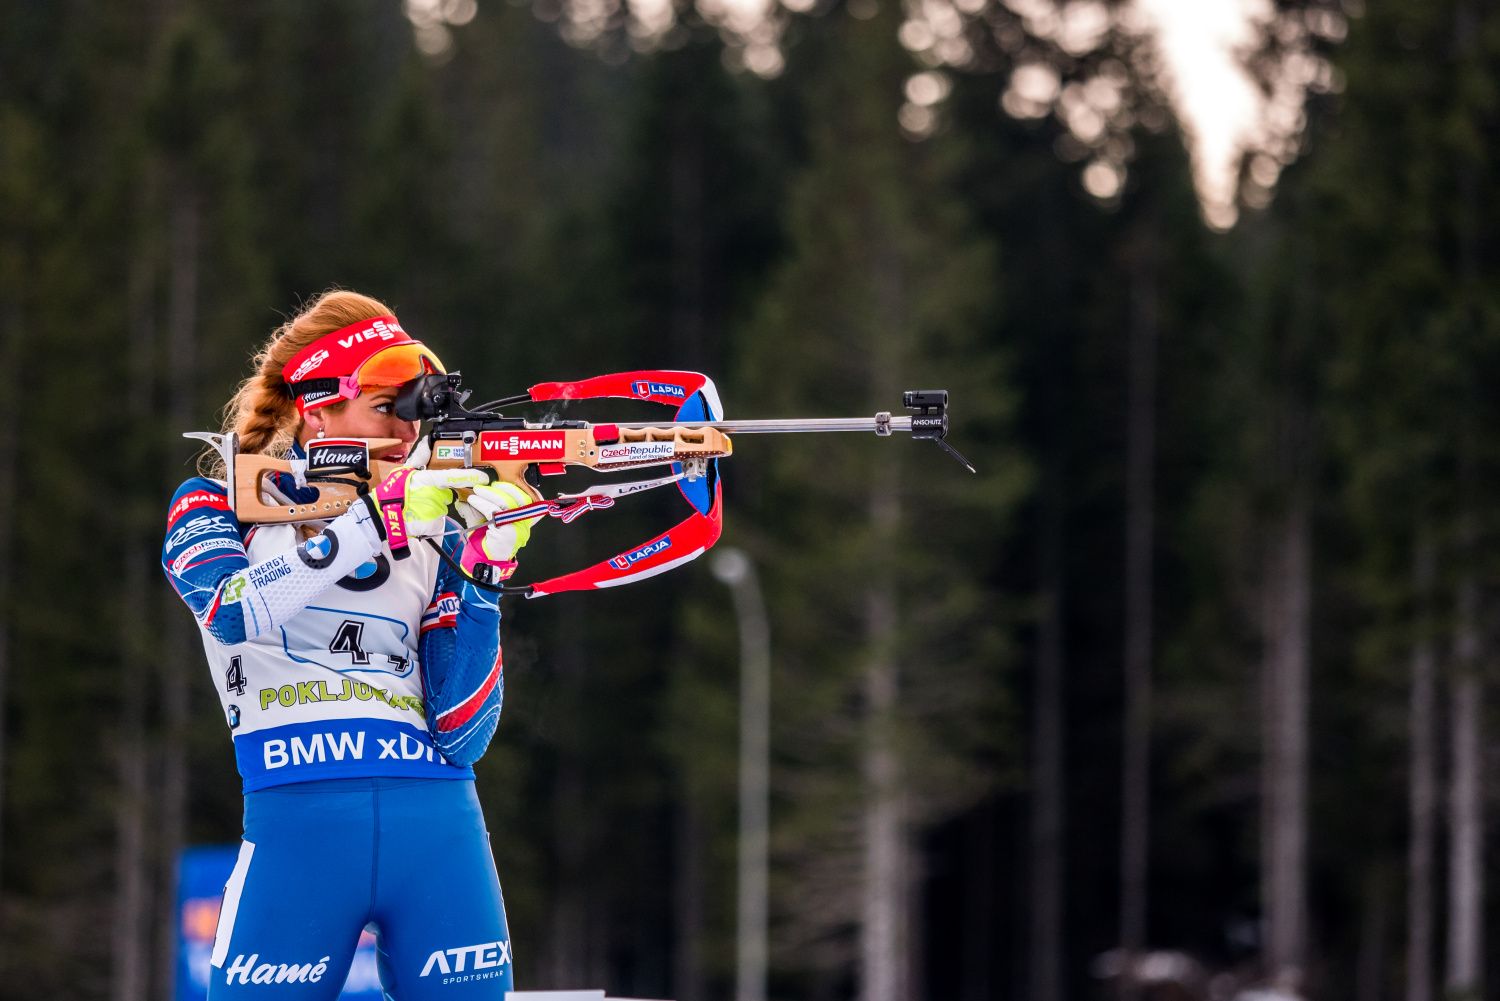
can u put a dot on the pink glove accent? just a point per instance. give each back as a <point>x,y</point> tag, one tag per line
<point>391,496</point>
<point>473,556</point>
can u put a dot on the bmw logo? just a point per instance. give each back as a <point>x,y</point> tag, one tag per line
<point>319,551</point>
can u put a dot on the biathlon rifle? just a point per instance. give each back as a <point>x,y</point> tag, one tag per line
<point>522,452</point>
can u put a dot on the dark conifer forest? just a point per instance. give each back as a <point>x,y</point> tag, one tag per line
<point>1184,695</point>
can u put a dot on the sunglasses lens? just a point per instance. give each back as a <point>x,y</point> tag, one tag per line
<point>398,365</point>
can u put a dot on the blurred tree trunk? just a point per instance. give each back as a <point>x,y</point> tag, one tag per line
<point>185,228</point>
<point>1285,630</point>
<point>687,898</point>
<point>1047,795</point>
<point>11,326</point>
<point>1049,799</point>
<point>1466,799</point>
<point>884,967</point>
<point>130,942</point>
<point>575,954</point>
<point>688,261</point>
<point>687,333</point>
<point>1419,907</point>
<point>1287,602</point>
<point>1140,458</point>
<point>1370,969</point>
<point>1466,802</point>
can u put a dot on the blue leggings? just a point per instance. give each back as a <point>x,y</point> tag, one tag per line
<point>320,860</point>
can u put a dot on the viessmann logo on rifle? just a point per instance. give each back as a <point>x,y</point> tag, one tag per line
<point>627,560</point>
<point>522,445</point>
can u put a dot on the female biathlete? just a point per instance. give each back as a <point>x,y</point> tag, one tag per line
<point>359,689</point>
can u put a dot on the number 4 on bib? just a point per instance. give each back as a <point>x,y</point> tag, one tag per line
<point>234,676</point>
<point>348,638</point>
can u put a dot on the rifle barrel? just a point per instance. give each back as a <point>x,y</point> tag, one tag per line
<point>790,426</point>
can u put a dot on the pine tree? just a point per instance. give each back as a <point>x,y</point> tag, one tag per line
<point>881,697</point>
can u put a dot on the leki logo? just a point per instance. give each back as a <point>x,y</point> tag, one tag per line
<point>318,357</point>
<point>648,389</point>
<point>626,560</point>
<point>538,446</point>
<point>377,330</point>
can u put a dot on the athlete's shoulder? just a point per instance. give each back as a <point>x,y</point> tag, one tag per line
<point>199,513</point>
<point>199,493</point>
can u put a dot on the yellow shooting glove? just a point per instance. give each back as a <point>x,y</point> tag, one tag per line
<point>500,542</point>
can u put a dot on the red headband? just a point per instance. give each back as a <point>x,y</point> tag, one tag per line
<point>327,370</point>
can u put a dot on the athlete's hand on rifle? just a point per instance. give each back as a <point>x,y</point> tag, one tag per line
<point>414,503</point>
<point>495,545</point>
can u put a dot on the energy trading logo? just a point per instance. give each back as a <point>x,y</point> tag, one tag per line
<point>646,390</point>
<point>627,560</point>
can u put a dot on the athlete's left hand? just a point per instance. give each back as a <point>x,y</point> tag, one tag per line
<point>497,543</point>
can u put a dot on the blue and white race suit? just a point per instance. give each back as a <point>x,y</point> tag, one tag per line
<point>358,690</point>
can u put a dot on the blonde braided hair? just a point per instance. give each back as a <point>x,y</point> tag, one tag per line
<point>261,411</point>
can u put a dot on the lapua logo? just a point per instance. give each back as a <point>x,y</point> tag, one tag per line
<point>626,560</point>
<point>649,389</point>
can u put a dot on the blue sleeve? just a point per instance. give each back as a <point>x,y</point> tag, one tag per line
<point>204,548</point>
<point>462,675</point>
<point>204,558</point>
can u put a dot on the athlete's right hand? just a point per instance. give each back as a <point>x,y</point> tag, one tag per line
<point>414,502</point>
